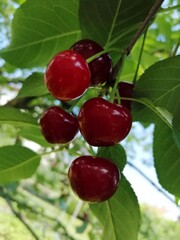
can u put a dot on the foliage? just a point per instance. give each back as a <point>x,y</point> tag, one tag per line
<point>144,45</point>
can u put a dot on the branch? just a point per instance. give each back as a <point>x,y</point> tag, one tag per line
<point>145,24</point>
<point>151,182</point>
<point>17,214</point>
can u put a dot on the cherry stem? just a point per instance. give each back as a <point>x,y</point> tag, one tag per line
<point>119,66</point>
<point>140,56</point>
<point>151,107</point>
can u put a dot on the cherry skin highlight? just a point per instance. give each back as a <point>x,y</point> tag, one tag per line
<point>103,123</point>
<point>67,76</point>
<point>93,179</point>
<point>125,90</point>
<point>58,126</point>
<point>101,67</point>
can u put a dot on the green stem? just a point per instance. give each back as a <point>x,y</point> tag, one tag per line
<point>112,95</point>
<point>151,108</point>
<point>176,48</point>
<point>140,56</point>
<point>163,10</point>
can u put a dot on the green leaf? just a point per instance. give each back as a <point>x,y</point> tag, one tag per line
<point>112,23</point>
<point>115,153</point>
<point>120,215</point>
<point>28,125</point>
<point>161,84</point>
<point>40,29</point>
<point>35,135</point>
<point>15,117</point>
<point>176,128</point>
<point>167,159</point>
<point>17,162</point>
<point>33,86</point>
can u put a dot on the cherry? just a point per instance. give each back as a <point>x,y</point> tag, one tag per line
<point>93,179</point>
<point>58,126</point>
<point>67,75</point>
<point>125,90</point>
<point>100,67</point>
<point>103,123</point>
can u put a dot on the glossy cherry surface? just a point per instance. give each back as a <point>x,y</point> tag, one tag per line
<point>93,179</point>
<point>67,75</point>
<point>58,126</point>
<point>100,67</point>
<point>125,90</point>
<point>103,123</point>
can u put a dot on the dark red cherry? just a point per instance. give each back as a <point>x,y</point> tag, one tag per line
<point>58,126</point>
<point>125,90</point>
<point>103,123</point>
<point>93,179</point>
<point>67,75</point>
<point>100,67</point>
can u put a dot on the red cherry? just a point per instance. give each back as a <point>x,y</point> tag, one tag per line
<point>100,67</point>
<point>67,75</point>
<point>58,126</point>
<point>103,123</point>
<point>125,90</point>
<point>93,179</point>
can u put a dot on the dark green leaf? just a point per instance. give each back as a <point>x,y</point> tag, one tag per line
<point>112,23</point>
<point>33,86</point>
<point>161,84</point>
<point>40,29</point>
<point>115,153</point>
<point>167,159</point>
<point>17,162</point>
<point>120,215</point>
<point>176,128</point>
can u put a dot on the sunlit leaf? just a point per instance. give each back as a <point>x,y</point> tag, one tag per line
<point>40,29</point>
<point>17,162</point>
<point>120,215</point>
<point>33,86</point>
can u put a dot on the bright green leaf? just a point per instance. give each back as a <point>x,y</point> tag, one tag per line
<point>15,117</point>
<point>120,215</point>
<point>115,153</point>
<point>112,23</point>
<point>40,29</point>
<point>33,86</point>
<point>17,162</point>
<point>34,134</point>
<point>167,159</point>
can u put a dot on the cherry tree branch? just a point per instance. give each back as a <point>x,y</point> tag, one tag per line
<point>145,24</point>
<point>151,182</point>
<point>17,214</point>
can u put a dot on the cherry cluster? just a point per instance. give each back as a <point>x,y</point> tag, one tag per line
<point>101,122</point>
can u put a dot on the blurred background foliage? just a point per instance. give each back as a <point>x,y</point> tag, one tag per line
<point>43,207</point>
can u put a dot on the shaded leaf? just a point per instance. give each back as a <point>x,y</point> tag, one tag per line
<point>176,128</point>
<point>120,215</point>
<point>17,162</point>
<point>161,84</point>
<point>112,23</point>
<point>115,153</point>
<point>167,159</point>
<point>33,86</point>
<point>40,29</point>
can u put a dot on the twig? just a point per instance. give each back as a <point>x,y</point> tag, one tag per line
<point>17,214</point>
<point>151,182</point>
<point>146,22</point>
